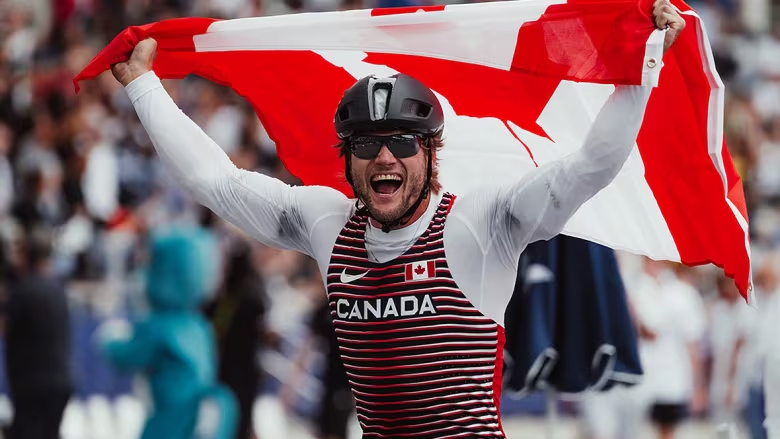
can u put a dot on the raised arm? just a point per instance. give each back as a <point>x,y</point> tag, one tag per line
<point>541,205</point>
<point>267,209</point>
<point>504,220</point>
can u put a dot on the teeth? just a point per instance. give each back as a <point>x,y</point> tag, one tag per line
<point>386,177</point>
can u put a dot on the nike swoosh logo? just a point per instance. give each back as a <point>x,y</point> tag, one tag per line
<point>346,278</point>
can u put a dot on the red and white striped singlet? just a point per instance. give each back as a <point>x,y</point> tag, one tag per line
<point>421,359</point>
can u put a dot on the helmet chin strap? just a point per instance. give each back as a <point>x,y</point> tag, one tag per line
<point>403,219</point>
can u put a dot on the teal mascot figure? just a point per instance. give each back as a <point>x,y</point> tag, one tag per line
<point>173,346</point>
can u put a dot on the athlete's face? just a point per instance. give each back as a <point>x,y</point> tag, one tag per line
<point>387,184</point>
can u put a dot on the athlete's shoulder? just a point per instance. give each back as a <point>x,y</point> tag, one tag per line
<point>322,191</point>
<point>315,212</point>
<point>456,206</point>
<point>322,196</point>
<point>460,201</point>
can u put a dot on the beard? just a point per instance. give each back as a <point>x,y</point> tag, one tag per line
<point>408,192</point>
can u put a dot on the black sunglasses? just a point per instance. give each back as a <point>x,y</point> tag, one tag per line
<point>400,145</point>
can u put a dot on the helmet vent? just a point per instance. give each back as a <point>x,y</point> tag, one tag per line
<point>415,108</point>
<point>344,113</point>
<point>381,100</point>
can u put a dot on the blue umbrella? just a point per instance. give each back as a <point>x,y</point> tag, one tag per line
<point>568,325</point>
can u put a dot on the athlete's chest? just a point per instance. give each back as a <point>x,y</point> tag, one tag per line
<point>414,284</point>
<point>408,287</point>
<point>409,308</point>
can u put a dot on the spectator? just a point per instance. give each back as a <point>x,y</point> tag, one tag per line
<point>38,344</point>
<point>670,314</point>
<point>6,172</point>
<point>755,355</point>
<point>337,405</point>
<point>237,315</point>
<point>730,323</point>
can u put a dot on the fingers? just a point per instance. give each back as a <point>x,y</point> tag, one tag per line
<point>675,21</point>
<point>659,3</point>
<point>666,19</point>
<point>665,15</point>
<point>149,43</point>
<point>118,70</point>
<point>144,53</point>
<point>140,62</point>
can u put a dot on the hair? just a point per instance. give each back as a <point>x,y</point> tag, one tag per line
<point>37,248</point>
<point>240,270</point>
<point>430,144</point>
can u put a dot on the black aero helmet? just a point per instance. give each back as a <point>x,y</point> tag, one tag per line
<point>398,102</point>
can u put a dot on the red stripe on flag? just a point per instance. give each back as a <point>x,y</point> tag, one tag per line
<point>173,37</point>
<point>681,174</point>
<point>509,96</point>
<point>737,196</point>
<point>308,154</point>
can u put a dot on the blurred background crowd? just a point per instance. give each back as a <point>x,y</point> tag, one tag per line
<point>81,190</point>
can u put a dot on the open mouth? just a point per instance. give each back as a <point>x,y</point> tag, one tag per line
<point>386,184</point>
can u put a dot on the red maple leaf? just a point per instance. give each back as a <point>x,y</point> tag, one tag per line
<point>419,270</point>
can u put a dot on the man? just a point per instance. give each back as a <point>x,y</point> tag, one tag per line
<point>672,316</point>
<point>418,312</point>
<point>37,343</point>
<point>769,350</point>
<point>237,315</point>
<point>731,321</point>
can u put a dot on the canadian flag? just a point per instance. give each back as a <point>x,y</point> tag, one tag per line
<point>420,270</point>
<point>520,82</point>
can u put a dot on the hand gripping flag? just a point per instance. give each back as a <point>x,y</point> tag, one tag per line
<point>521,83</point>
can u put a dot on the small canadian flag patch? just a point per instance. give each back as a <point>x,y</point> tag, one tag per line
<point>420,270</point>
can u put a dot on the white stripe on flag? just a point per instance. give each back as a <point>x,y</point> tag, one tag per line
<point>481,33</point>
